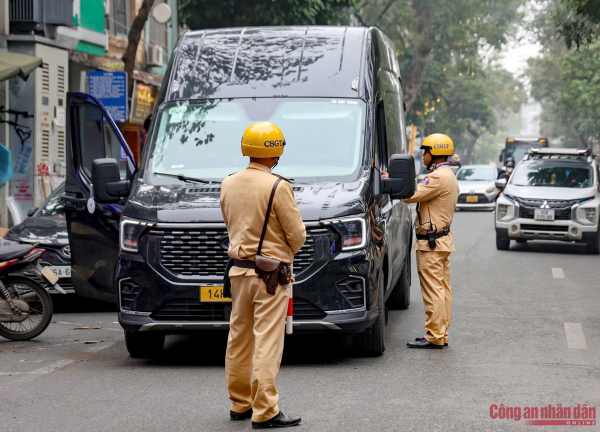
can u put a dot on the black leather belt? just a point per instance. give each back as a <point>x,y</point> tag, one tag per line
<point>244,264</point>
<point>443,233</point>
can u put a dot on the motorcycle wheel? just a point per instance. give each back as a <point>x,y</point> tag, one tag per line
<point>40,309</point>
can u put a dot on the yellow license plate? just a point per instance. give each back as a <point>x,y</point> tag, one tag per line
<point>212,294</point>
<point>472,198</point>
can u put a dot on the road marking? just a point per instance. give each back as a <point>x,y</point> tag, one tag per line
<point>575,336</point>
<point>28,376</point>
<point>558,273</point>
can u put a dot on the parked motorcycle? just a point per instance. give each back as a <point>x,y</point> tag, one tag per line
<point>25,304</point>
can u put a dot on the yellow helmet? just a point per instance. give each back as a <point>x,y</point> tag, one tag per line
<point>263,140</point>
<point>438,145</point>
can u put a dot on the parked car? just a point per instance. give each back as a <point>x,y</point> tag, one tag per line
<point>152,237</point>
<point>477,187</point>
<point>47,226</point>
<point>553,194</point>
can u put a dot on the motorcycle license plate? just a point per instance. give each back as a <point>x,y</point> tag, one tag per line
<point>61,271</point>
<point>212,294</point>
<point>49,275</point>
<point>472,199</point>
<point>543,215</point>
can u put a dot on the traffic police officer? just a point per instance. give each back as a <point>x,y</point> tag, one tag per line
<point>257,324</point>
<point>436,196</point>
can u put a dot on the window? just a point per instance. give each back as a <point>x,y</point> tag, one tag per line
<point>98,140</point>
<point>158,32</point>
<point>476,174</point>
<point>118,18</point>
<point>393,114</point>
<point>54,206</point>
<point>202,138</point>
<point>553,174</point>
<point>382,138</point>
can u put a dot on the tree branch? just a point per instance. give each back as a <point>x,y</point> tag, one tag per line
<point>133,40</point>
<point>360,19</point>
<point>414,74</point>
<point>385,9</point>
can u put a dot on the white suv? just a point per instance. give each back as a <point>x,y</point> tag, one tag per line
<point>553,194</point>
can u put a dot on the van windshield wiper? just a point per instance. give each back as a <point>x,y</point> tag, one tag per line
<point>188,179</point>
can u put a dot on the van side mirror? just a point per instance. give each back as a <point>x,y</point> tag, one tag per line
<point>501,183</point>
<point>106,178</point>
<point>401,182</point>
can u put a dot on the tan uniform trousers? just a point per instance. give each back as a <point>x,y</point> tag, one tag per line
<point>255,346</point>
<point>434,274</point>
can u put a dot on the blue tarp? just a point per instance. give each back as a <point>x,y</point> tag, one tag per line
<point>5,165</point>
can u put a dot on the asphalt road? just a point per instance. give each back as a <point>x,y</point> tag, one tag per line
<point>525,333</point>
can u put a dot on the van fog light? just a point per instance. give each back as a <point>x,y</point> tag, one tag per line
<point>574,231</point>
<point>514,228</point>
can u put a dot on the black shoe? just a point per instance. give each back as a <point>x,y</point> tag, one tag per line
<point>240,416</point>
<point>279,421</point>
<point>424,344</point>
<point>422,338</point>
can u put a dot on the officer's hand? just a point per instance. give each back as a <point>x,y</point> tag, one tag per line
<point>384,174</point>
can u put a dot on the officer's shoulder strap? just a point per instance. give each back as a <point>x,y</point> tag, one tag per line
<point>281,177</point>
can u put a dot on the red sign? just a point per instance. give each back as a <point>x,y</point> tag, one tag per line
<point>43,169</point>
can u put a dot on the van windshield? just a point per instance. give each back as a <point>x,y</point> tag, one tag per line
<point>553,174</point>
<point>202,138</point>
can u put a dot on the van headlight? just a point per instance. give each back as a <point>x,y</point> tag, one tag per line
<point>502,211</point>
<point>130,233</point>
<point>353,233</point>
<point>6,242</point>
<point>590,214</point>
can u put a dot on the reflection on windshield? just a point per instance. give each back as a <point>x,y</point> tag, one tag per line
<point>518,153</point>
<point>202,139</point>
<point>569,176</point>
<point>476,174</point>
<point>55,205</point>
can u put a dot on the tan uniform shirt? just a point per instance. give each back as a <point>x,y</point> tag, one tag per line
<point>244,200</point>
<point>438,195</point>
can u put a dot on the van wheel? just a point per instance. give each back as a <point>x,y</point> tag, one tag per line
<point>144,345</point>
<point>400,296</point>
<point>372,344</point>
<point>594,247</point>
<point>502,243</point>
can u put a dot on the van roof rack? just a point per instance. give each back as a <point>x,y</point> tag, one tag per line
<point>559,153</point>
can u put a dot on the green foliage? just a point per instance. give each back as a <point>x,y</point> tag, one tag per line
<point>578,21</point>
<point>203,14</point>
<point>568,86</point>
<point>474,97</point>
<point>470,107</point>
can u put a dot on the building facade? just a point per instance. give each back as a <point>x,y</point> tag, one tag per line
<point>84,37</point>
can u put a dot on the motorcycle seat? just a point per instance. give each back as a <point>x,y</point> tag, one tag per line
<point>11,252</point>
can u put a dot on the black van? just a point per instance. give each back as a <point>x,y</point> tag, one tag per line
<point>152,238</point>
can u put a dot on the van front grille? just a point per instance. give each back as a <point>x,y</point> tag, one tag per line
<point>203,252</point>
<point>192,309</point>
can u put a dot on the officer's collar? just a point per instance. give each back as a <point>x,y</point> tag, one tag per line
<point>442,164</point>
<point>259,166</point>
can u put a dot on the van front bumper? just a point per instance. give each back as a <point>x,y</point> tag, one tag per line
<point>350,322</point>
<point>564,230</point>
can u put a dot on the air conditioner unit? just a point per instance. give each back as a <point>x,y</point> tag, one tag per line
<point>36,15</point>
<point>154,55</point>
